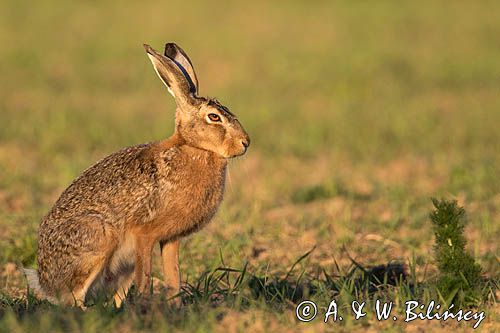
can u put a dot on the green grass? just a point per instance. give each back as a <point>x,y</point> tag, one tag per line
<point>359,113</point>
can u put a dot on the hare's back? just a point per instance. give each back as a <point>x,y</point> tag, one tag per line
<point>111,189</point>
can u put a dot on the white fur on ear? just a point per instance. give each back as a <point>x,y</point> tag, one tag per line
<point>156,63</point>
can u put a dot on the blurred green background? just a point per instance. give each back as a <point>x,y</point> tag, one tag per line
<point>359,112</point>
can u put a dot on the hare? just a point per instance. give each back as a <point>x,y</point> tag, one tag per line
<point>99,235</point>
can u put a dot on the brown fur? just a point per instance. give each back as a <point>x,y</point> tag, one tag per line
<point>101,231</point>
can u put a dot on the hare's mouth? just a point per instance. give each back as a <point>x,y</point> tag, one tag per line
<point>238,154</point>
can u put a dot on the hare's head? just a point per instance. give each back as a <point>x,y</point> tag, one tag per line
<point>203,123</point>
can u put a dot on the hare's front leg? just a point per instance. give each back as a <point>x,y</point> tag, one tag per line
<point>170,260</point>
<point>142,271</point>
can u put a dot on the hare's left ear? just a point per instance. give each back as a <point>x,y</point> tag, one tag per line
<point>174,76</point>
<point>174,52</point>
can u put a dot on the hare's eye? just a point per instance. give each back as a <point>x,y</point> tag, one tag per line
<point>213,117</point>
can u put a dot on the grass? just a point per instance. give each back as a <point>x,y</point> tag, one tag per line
<point>460,278</point>
<point>359,113</point>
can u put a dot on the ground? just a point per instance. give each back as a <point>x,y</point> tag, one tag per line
<point>359,113</point>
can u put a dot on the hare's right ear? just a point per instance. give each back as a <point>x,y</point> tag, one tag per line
<point>174,76</point>
<point>174,51</point>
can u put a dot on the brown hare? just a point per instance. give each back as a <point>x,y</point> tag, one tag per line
<point>100,234</point>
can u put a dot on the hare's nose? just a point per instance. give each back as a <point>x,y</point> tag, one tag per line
<point>245,142</point>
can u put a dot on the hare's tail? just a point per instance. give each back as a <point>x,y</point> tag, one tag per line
<point>34,284</point>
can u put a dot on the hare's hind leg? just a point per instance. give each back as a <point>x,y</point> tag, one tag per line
<point>79,292</point>
<point>123,287</point>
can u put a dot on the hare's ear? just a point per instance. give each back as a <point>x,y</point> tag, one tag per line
<point>174,52</point>
<point>173,76</point>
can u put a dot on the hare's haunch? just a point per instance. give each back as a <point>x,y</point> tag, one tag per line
<point>100,234</point>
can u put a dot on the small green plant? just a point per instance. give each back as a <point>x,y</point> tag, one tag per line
<point>313,193</point>
<point>460,276</point>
